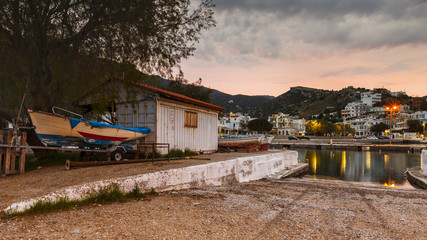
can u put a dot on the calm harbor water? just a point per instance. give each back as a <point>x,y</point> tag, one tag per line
<point>372,167</point>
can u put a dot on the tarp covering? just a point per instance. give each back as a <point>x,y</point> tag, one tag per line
<point>75,121</point>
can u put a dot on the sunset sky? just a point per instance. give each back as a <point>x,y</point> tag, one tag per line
<point>266,47</point>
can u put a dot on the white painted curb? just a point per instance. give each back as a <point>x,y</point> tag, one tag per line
<point>243,169</point>
<point>424,161</point>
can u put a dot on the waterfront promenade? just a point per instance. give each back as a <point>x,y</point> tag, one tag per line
<point>350,144</point>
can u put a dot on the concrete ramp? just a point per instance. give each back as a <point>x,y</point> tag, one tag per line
<point>237,170</point>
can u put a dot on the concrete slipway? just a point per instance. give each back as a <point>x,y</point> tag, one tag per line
<point>236,170</point>
<point>418,176</point>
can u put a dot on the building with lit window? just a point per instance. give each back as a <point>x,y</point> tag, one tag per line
<point>283,124</point>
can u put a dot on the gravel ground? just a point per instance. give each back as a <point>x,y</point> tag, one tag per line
<point>297,208</point>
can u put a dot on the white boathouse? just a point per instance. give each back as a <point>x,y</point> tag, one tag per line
<point>183,122</point>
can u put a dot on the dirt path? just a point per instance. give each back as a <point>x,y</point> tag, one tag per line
<point>287,209</point>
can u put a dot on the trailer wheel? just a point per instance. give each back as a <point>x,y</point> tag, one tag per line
<point>117,155</point>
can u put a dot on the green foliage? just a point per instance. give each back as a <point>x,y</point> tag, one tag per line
<point>108,194</point>
<point>323,127</point>
<point>179,153</point>
<point>259,125</point>
<point>60,48</point>
<point>379,128</point>
<point>188,153</point>
<point>415,125</point>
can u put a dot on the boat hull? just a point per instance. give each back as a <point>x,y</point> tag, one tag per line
<point>265,143</point>
<point>250,143</point>
<point>59,130</point>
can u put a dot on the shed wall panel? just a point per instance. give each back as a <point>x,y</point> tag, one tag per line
<point>172,130</point>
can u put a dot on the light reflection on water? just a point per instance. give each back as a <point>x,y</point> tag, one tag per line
<point>377,167</point>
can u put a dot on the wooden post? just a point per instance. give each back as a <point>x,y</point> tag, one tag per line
<point>7,155</point>
<point>153,153</point>
<point>12,160</point>
<point>22,153</point>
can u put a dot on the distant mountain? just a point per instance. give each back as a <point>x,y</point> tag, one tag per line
<point>238,103</point>
<point>231,103</point>
<point>302,101</point>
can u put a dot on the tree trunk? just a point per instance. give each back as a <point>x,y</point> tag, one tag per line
<point>42,91</point>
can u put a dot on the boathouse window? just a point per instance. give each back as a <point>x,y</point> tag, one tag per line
<point>190,119</point>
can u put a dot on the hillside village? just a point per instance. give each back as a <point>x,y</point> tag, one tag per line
<point>356,118</point>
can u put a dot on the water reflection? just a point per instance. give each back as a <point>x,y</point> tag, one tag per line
<point>385,168</point>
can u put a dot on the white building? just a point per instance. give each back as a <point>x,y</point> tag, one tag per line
<point>180,121</point>
<point>399,93</point>
<point>370,98</point>
<point>362,126</point>
<point>420,115</point>
<point>233,122</point>
<point>354,109</point>
<point>283,124</point>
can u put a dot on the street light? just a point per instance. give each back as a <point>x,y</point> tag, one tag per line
<point>391,108</point>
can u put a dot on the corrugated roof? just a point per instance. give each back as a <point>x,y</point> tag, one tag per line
<point>175,96</point>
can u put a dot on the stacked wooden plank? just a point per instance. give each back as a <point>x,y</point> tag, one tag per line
<point>10,152</point>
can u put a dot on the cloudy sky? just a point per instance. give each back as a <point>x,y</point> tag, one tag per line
<point>265,47</point>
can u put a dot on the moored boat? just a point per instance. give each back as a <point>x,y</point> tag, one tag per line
<point>265,142</point>
<point>58,130</point>
<point>245,142</point>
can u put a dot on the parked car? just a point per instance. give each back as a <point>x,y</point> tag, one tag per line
<point>292,138</point>
<point>372,138</point>
<point>303,137</point>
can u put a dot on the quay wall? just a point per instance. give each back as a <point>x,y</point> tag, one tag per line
<point>347,146</point>
<point>236,170</point>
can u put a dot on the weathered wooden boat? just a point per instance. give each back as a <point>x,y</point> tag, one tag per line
<point>265,142</point>
<point>58,130</point>
<point>240,142</point>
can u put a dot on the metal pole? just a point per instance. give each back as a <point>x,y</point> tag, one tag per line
<point>391,122</point>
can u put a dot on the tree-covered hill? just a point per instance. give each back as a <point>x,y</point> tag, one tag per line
<point>305,102</point>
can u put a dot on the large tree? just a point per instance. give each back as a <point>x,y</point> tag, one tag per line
<point>379,128</point>
<point>56,48</point>
<point>259,125</point>
<point>415,125</point>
